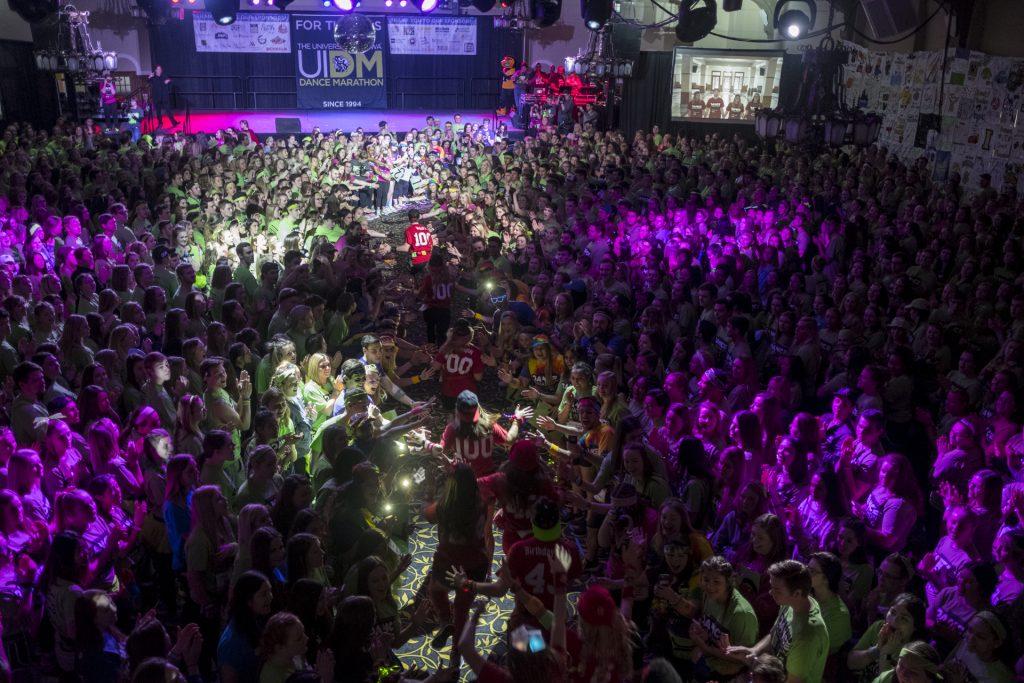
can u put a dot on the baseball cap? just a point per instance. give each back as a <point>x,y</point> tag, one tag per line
<point>523,456</point>
<point>596,606</point>
<point>466,401</point>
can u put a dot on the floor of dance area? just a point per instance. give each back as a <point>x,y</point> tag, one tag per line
<point>417,653</point>
<point>265,122</point>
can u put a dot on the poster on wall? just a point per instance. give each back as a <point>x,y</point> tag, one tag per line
<point>432,35</point>
<point>258,32</point>
<point>328,77</point>
<point>723,85</point>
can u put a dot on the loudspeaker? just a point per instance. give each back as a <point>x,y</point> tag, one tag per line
<point>626,40</point>
<point>287,125</point>
<point>888,18</point>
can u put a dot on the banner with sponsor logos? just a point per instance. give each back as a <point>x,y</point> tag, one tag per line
<point>417,35</point>
<point>328,77</point>
<point>259,32</point>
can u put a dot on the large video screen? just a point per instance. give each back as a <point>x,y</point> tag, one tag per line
<point>723,85</point>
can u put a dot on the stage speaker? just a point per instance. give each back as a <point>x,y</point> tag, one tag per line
<point>626,40</point>
<point>287,125</point>
<point>889,18</point>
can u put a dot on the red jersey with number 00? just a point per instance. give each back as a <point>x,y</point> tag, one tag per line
<point>459,370</point>
<point>476,451</point>
<point>420,242</point>
<point>436,294</point>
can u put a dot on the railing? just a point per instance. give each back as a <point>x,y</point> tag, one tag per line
<point>278,92</point>
<point>208,92</point>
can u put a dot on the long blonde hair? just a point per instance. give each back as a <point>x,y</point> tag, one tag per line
<point>608,646</point>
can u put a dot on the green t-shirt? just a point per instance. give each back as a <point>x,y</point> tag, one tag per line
<point>885,661</point>
<point>837,618</point>
<point>736,619</point>
<point>801,641</point>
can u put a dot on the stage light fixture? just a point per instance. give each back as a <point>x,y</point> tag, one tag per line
<point>426,6</point>
<point>345,6</point>
<point>794,23</point>
<point>482,6</point>
<point>544,13</point>
<point>224,12</point>
<point>596,13</point>
<point>402,3</point>
<point>697,18</point>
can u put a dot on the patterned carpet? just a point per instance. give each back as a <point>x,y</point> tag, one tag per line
<point>418,653</point>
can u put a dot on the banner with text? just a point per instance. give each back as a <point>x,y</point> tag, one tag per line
<point>432,35</point>
<point>252,32</point>
<point>328,77</point>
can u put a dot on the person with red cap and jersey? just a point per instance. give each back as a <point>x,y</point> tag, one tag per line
<point>471,436</point>
<point>419,242</point>
<point>516,488</point>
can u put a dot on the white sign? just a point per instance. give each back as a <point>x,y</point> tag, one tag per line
<point>251,32</point>
<point>432,35</point>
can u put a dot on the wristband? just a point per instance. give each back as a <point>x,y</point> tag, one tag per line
<point>553,449</point>
<point>415,379</point>
<point>478,316</point>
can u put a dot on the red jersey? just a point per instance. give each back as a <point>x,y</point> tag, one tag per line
<point>515,519</point>
<point>420,242</point>
<point>529,564</point>
<point>455,550</point>
<point>435,295</point>
<point>476,451</point>
<point>459,370</point>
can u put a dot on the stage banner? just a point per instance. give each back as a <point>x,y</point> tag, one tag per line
<point>252,32</point>
<point>432,35</point>
<point>328,77</point>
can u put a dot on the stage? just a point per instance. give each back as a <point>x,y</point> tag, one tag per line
<point>266,122</point>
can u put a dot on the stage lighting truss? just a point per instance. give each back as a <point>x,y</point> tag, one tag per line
<point>790,21</point>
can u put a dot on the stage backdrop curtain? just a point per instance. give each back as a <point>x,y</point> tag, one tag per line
<point>220,80</point>
<point>647,95</point>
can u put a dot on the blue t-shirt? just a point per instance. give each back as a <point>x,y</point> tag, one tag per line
<point>235,650</point>
<point>524,313</point>
<point>178,521</point>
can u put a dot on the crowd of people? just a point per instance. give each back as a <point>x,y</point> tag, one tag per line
<point>707,410</point>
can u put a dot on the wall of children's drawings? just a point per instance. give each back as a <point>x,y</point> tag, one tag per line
<point>963,112</point>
